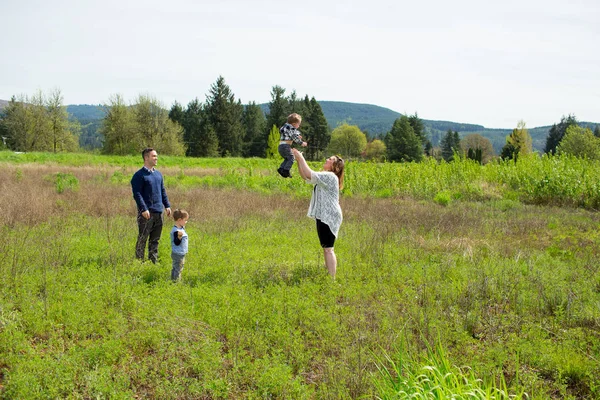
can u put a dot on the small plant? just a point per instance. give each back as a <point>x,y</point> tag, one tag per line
<point>443,198</point>
<point>64,181</point>
<point>434,377</point>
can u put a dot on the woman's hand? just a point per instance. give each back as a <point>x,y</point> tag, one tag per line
<point>297,154</point>
<point>303,168</point>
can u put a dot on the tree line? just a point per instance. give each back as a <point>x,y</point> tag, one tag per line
<point>222,126</point>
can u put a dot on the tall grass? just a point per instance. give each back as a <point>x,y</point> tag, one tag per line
<point>507,289</point>
<point>546,180</point>
<point>434,377</point>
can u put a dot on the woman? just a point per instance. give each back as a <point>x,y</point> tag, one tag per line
<point>324,203</point>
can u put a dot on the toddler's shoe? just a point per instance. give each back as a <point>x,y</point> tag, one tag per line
<point>283,172</point>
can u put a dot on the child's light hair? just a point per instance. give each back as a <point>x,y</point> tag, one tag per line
<point>180,214</point>
<point>294,118</point>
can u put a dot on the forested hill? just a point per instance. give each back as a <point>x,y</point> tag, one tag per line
<point>377,120</point>
<point>374,120</point>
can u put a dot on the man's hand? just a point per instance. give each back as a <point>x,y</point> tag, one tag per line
<point>168,210</point>
<point>304,144</point>
<point>146,214</point>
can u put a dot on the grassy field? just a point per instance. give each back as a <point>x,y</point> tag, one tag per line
<point>481,282</point>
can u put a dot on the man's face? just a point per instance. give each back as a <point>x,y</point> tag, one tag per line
<point>151,159</point>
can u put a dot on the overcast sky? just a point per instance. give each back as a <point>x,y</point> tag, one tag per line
<point>463,61</point>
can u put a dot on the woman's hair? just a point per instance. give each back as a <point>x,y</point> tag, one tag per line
<point>178,214</point>
<point>338,169</point>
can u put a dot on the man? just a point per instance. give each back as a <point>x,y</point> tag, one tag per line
<point>151,199</point>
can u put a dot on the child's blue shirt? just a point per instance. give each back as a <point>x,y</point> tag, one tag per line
<point>179,246</point>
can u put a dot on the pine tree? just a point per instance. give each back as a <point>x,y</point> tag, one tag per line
<point>198,134</point>
<point>557,132</point>
<point>418,128</point>
<point>17,124</point>
<point>176,113</point>
<point>255,143</point>
<point>402,143</point>
<point>318,134</point>
<point>597,131</point>
<point>517,143</point>
<point>225,116</point>
<point>450,144</point>
<point>278,107</point>
<point>273,143</point>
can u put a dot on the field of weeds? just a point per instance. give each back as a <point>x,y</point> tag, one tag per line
<point>471,271</point>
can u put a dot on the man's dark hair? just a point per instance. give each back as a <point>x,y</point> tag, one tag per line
<point>146,151</point>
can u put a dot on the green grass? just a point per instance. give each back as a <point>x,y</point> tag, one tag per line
<point>559,181</point>
<point>433,295</point>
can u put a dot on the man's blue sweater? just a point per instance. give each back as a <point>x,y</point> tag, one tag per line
<point>149,191</point>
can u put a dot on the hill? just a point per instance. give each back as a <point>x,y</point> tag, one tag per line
<point>374,120</point>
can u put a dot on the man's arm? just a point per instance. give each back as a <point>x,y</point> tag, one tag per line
<point>165,199</point>
<point>137,186</point>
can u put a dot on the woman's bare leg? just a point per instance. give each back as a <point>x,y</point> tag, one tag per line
<point>330,260</point>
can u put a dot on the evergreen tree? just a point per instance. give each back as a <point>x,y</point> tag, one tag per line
<point>418,128</point>
<point>557,132</point>
<point>273,143</point>
<point>17,124</point>
<point>402,143</point>
<point>225,116</point>
<point>517,143</point>
<point>315,130</point>
<point>450,144</point>
<point>255,142</point>
<point>278,107</point>
<point>198,134</point>
<point>176,113</point>
<point>294,104</point>
<point>597,131</point>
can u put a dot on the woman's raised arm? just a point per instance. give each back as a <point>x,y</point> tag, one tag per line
<point>303,168</point>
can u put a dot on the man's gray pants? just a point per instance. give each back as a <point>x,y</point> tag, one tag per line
<point>149,231</point>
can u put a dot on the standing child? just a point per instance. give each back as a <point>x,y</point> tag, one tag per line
<point>289,133</point>
<point>179,243</point>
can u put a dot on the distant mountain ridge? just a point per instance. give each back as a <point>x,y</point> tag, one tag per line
<point>371,119</point>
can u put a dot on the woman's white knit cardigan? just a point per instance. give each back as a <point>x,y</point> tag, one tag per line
<point>325,200</point>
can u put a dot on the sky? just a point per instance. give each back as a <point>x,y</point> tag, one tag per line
<point>470,61</point>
